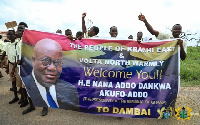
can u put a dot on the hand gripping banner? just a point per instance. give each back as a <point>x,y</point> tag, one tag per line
<point>121,78</point>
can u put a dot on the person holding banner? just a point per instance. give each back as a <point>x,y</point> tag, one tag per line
<point>92,32</point>
<point>16,69</point>
<point>79,35</point>
<point>139,37</point>
<point>68,32</point>
<point>69,35</point>
<point>113,31</point>
<point>43,84</point>
<point>176,31</point>
<point>24,97</point>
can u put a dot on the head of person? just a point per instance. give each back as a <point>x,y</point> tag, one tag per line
<point>113,31</point>
<point>11,35</point>
<point>79,35</point>
<point>47,62</point>
<point>176,30</point>
<point>20,29</point>
<point>59,31</point>
<point>139,35</point>
<point>68,32</point>
<point>130,37</point>
<point>93,31</point>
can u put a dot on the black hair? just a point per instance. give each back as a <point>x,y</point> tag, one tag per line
<point>177,25</point>
<point>112,27</point>
<point>79,33</point>
<point>140,32</point>
<point>11,31</point>
<point>67,30</point>
<point>23,23</point>
<point>0,36</point>
<point>96,30</point>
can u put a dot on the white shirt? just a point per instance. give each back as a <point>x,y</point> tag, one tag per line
<point>162,36</point>
<point>1,46</point>
<point>18,53</point>
<point>10,51</point>
<point>18,49</point>
<point>43,91</point>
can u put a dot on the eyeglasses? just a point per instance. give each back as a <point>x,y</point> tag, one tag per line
<point>47,61</point>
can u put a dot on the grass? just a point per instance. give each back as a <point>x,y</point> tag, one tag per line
<point>190,68</point>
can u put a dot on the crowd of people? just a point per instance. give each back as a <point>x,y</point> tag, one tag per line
<point>10,59</point>
<point>10,54</point>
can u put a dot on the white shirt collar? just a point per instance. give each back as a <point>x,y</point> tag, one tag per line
<point>43,92</point>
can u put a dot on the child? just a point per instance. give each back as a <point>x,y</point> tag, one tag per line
<point>92,32</point>
<point>113,31</point>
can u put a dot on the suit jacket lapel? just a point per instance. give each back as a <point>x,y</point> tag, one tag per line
<point>35,94</point>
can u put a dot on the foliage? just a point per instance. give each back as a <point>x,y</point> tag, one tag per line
<point>190,67</point>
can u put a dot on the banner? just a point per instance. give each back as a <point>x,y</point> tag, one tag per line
<point>121,78</point>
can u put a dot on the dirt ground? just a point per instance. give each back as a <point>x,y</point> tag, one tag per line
<point>11,114</point>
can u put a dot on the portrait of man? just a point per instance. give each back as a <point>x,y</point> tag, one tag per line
<point>43,84</point>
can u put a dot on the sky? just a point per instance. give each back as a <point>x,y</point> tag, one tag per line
<point>50,15</point>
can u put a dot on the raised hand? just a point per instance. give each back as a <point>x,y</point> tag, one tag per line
<point>83,15</point>
<point>141,17</point>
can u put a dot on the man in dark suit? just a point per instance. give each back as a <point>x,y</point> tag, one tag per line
<point>43,85</point>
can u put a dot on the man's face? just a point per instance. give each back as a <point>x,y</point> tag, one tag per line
<point>113,32</point>
<point>11,36</point>
<point>78,36</point>
<point>47,66</point>
<point>67,33</point>
<point>20,30</point>
<point>176,31</point>
<point>139,35</point>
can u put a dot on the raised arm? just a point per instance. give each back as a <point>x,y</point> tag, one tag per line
<point>83,23</point>
<point>149,27</point>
